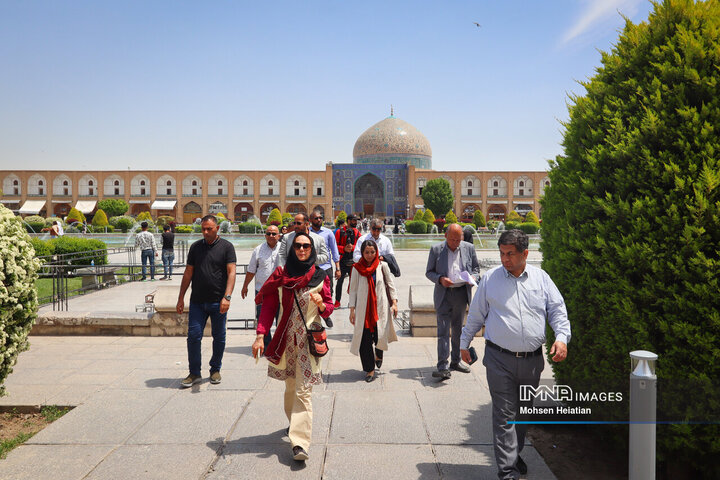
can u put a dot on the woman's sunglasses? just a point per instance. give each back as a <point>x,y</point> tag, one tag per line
<point>302,246</point>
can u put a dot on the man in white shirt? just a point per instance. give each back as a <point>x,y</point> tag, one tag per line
<point>302,224</point>
<point>261,266</point>
<point>384,244</point>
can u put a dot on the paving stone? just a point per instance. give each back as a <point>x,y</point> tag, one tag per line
<point>75,394</point>
<point>264,420</point>
<point>31,394</point>
<point>146,378</point>
<point>107,417</point>
<point>82,378</point>
<point>458,462</point>
<point>37,376</point>
<point>361,462</point>
<point>192,418</point>
<point>377,417</point>
<point>264,460</point>
<point>58,462</point>
<point>457,417</point>
<point>241,380</point>
<point>352,380</point>
<point>161,462</point>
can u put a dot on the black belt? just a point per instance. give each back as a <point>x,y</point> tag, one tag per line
<point>514,354</point>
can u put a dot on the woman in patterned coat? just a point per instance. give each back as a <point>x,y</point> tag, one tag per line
<point>305,296</point>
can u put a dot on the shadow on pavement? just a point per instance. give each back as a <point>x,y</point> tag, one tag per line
<point>274,444</point>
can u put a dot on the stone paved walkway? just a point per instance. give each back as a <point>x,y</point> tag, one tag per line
<point>132,421</point>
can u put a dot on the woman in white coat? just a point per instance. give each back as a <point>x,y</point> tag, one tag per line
<point>373,305</point>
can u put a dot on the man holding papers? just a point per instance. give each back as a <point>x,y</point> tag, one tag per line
<point>453,268</point>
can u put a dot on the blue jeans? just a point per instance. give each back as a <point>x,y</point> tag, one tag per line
<point>148,256</point>
<point>168,257</point>
<point>197,318</point>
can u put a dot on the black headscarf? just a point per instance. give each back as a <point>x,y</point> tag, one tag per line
<point>295,268</point>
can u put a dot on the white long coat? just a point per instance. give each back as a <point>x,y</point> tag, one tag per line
<point>358,299</point>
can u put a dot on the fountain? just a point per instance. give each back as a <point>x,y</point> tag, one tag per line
<point>254,219</point>
<point>434,230</point>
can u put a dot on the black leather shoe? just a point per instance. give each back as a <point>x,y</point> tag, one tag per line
<point>378,362</point>
<point>442,374</point>
<point>329,323</point>
<point>300,454</point>
<point>287,431</point>
<point>370,378</point>
<point>459,367</point>
<point>521,465</point>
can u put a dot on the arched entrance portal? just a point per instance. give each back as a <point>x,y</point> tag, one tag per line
<point>61,209</point>
<point>496,212</point>
<point>243,211</point>
<point>369,195</point>
<point>469,212</point>
<point>295,208</point>
<point>191,211</point>
<point>138,208</point>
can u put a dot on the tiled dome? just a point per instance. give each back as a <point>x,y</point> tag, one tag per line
<point>391,136</point>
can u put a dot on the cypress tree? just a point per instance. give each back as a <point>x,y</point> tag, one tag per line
<point>631,225</point>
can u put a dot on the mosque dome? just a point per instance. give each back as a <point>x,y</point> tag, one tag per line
<point>393,141</point>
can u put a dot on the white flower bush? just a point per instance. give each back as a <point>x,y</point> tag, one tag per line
<point>18,296</point>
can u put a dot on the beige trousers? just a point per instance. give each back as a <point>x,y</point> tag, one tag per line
<point>298,408</point>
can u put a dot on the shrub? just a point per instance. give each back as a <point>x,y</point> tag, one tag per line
<point>49,221</point>
<point>642,144</point>
<point>416,227</point>
<point>341,216</point>
<point>428,216</point>
<point>439,223</point>
<point>100,219</point>
<point>78,247</point>
<point>250,227</point>
<point>429,227</point>
<point>450,217</point>
<point>512,224</point>
<point>18,295</point>
<point>478,219</point>
<point>220,217</point>
<point>113,207</point>
<point>492,224</point>
<point>513,216</point>
<point>287,218</point>
<point>101,229</point>
<point>74,216</point>
<point>184,229</point>
<point>144,217</point>
<point>225,227</point>
<point>123,223</point>
<point>42,248</point>
<point>419,215</point>
<point>196,228</point>
<point>163,220</point>
<point>529,227</point>
<point>34,224</point>
<point>274,218</point>
<point>532,218</point>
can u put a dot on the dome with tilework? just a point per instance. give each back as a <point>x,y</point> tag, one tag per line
<point>393,141</point>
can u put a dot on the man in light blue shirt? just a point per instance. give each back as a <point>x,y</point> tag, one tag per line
<point>316,219</point>
<point>513,302</point>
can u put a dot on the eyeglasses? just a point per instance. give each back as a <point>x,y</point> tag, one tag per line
<point>302,246</point>
<point>319,217</point>
<point>270,234</point>
<point>376,229</point>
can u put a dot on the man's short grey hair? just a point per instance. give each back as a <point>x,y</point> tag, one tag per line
<point>376,222</point>
<point>515,237</point>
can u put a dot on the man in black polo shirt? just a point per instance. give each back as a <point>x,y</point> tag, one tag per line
<point>211,268</point>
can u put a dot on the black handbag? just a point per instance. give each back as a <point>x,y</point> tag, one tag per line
<point>316,337</point>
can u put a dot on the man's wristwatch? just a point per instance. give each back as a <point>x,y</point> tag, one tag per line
<point>227,297</point>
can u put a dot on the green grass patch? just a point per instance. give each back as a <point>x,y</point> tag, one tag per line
<point>7,445</point>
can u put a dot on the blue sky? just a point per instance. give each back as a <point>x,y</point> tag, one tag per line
<point>291,85</point>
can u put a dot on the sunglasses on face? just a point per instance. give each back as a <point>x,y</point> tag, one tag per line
<point>319,218</point>
<point>270,234</point>
<point>302,246</point>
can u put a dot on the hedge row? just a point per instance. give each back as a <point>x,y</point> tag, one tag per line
<point>73,246</point>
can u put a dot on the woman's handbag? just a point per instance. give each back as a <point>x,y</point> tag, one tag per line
<point>316,338</point>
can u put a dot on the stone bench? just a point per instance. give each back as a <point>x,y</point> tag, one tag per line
<point>166,322</point>
<point>423,317</point>
<point>98,276</point>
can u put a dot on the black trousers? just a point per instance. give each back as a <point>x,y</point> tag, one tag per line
<point>344,272</point>
<point>367,350</point>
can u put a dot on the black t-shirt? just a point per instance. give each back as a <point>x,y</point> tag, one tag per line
<point>210,269</point>
<point>168,239</point>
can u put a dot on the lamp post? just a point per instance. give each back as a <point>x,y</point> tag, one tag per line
<point>643,404</point>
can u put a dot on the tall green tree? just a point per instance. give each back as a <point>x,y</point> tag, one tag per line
<point>100,219</point>
<point>631,225</point>
<point>478,218</point>
<point>275,218</point>
<point>437,195</point>
<point>113,207</point>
